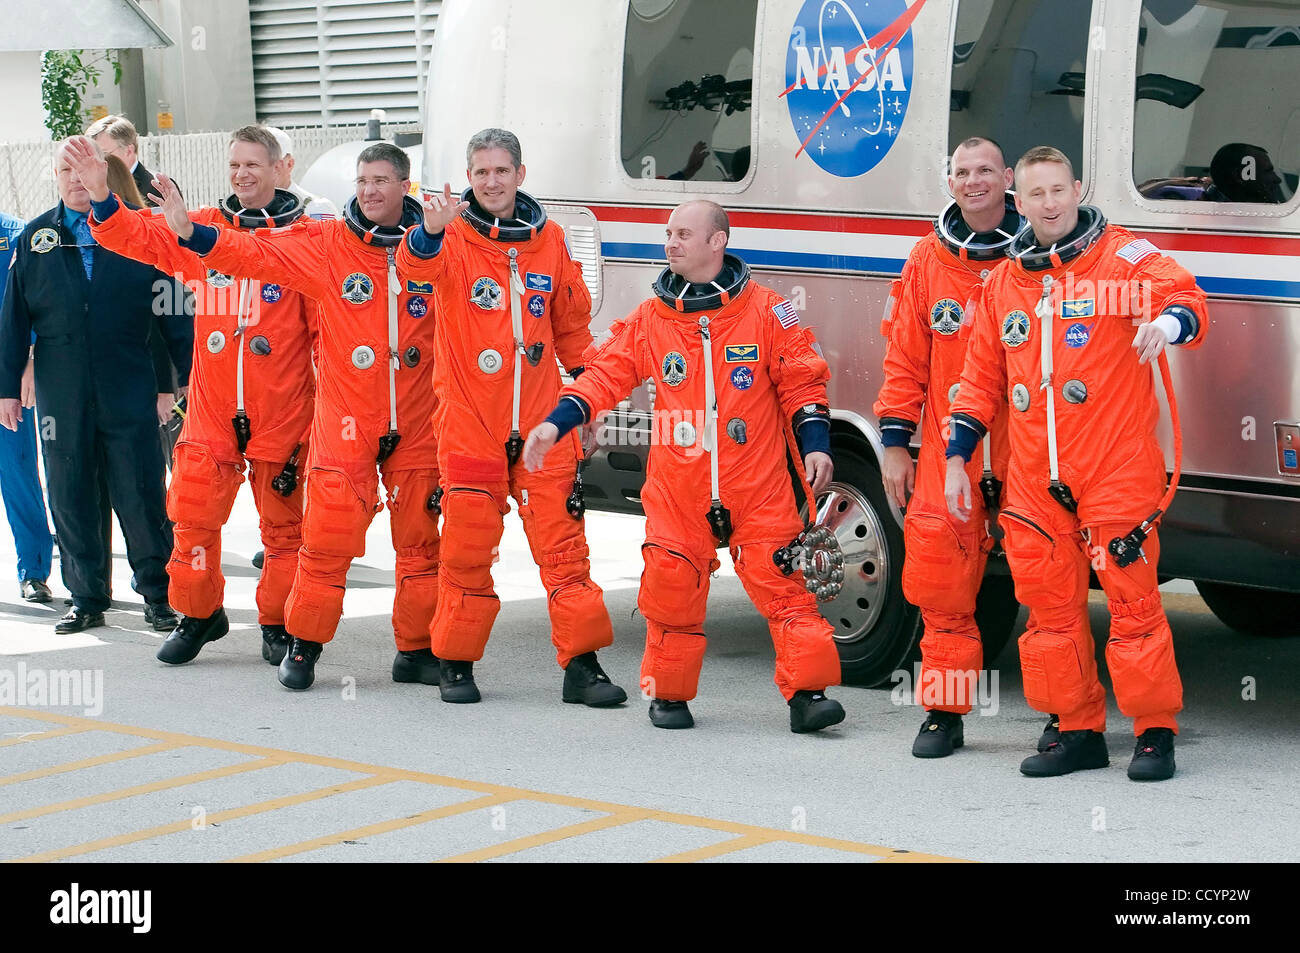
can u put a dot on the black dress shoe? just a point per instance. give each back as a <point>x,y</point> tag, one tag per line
<point>813,711</point>
<point>940,735</point>
<point>1076,751</point>
<point>35,590</point>
<point>78,620</point>
<point>161,617</point>
<point>456,682</point>
<point>275,642</point>
<point>586,683</point>
<point>668,714</point>
<point>1051,733</point>
<point>190,635</point>
<point>417,665</point>
<point>298,668</point>
<point>1153,757</point>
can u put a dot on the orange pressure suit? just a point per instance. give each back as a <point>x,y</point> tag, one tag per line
<point>255,365</point>
<point>945,558</point>
<point>373,405</point>
<point>488,276</point>
<point>764,371</point>
<point>1093,289</point>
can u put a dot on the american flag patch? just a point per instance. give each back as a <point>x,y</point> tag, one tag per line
<point>786,314</point>
<point>1135,251</point>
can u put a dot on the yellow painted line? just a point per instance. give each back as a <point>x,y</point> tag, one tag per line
<point>396,774</point>
<point>626,816</point>
<point>716,850</point>
<point>912,857</point>
<point>371,830</point>
<point>41,736</point>
<point>219,817</point>
<point>150,788</point>
<point>91,762</point>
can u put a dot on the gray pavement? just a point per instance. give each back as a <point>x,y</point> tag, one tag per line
<point>215,760</point>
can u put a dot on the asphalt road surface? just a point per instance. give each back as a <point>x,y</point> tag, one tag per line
<point>215,760</point>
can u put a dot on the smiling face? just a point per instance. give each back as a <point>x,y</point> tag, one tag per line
<point>380,192</point>
<point>978,181</point>
<point>253,176</point>
<point>495,180</point>
<point>693,245</point>
<point>1048,197</point>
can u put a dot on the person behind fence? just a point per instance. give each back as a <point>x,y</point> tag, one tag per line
<point>20,484</point>
<point>96,387</point>
<point>720,347</point>
<point>251,399</point>
<point>374,402</point>
<point>511,302</point>
<point>116,136</point>
<point>1053,329</point>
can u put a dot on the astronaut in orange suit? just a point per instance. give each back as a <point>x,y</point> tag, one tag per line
<point>945,558</point>
<point>737,378</point>
<point>511,301</point>
<point>251,394</point>
<point>1053,332</point>
<point>374,403</point>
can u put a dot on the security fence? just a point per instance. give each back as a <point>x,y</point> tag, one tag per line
<point>197,161</point>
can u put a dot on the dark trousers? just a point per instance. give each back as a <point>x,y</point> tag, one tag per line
<point>121,468</point>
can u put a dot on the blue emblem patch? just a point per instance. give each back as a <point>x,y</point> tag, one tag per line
<point>673,368</point>
<point>420,287</point>
<point>534,282</point>
<point>1076,335</point>
<point>1015,329</point>
<point>848,80</point>
<point>271,293</point>
<point>741,353</point>
<point>1082,308</point>
<point>416,306</point>
<point>742,378</point>
<point>537,306</point>
<point>358,288</point>
<point>945,317</point>
<point>486,293</point>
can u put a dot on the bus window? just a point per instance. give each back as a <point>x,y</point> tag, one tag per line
<point>688,70</point>
<point>1217,107</point>
<point>1018,75</point>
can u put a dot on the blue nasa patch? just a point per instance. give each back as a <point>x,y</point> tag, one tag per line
<point>537,306</point>
<point>357,288</point>
<point>534,282</point>
<point>1082,308</point>
<point>416,306</point>
<point>848,80</point>
<point>741,353</point>
<point>419,287</point>
<point>742,378</point>
<point>1077,335</point>
<point>271,293</point>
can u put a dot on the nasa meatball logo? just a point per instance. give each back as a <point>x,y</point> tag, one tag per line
<point>742,378</point>
<point>848,80</point>
<point>537,306</point>
<point>945,317</point>
<point>1077,335</point>
<point>486,293</point>
<point>1015,329</point>
<point>271,293</point>
<point>358,288</point>
<point>416,306</point>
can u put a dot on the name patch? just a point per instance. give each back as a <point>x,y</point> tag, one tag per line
<point>741,353</point>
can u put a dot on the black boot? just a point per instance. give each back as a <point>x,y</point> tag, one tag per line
<point>275,642</point>
<point>298,668</point>
<point>940,735</point>
<point>666,714</point>
<point>190,636</point>
<point>417,665</point>
<point>585,682</point>
<point>1076,751</point>
<point>161,616</point>
<point>78,620</point>
<point>1051,733</point>
<point>1153,758</point>
<point>456,682</point>
<point>813,711</point>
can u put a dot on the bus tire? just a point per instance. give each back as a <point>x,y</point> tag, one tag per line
<point>1253,611</point>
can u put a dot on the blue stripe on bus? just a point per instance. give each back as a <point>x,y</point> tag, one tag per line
<point>1232,287</point>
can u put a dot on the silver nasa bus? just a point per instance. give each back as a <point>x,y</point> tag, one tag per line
<point>824,127</point>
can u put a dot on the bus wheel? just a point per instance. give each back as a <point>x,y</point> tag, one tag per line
<point>876,630</point>
<point>1253,611</point>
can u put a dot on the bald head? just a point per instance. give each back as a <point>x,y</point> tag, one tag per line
<point>696,240</point>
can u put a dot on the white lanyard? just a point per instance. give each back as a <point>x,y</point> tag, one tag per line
<point>517,327</point>
<point>245,285</point>
<point>1046,311</point>
<point>710,442</point>
<point>394,290</point>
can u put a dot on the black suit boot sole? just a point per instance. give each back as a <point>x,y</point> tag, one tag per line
<point>188,638</point>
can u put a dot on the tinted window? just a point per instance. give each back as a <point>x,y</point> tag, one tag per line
<point>1217,112</point>
<point>688,68</point>
<point>1018,75</point>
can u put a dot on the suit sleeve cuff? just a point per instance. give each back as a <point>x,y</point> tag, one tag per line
<point>569,413</point>
<point>202,241</point>
<point>966,433</point>
<point>105,208</point>
<point>1179,323</point>
<point>422,244</point>
<point>814,436</point>
<point>896,432</point>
